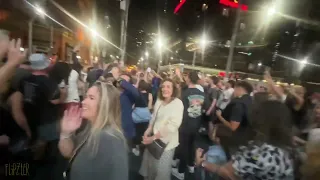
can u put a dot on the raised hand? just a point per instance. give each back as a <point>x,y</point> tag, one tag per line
<point>115,72</point>
<point>71,120</point>
<point>4,45</point>
<point>15,56</point>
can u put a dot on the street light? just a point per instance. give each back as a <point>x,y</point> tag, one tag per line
<point>259,64</point>
<point>159,43</point>
<point>304,61</point>
<point>146,54</point>
<point>203,41</point>
<point>271,11</point>
<point>94,33</point>
<point>40,10</point>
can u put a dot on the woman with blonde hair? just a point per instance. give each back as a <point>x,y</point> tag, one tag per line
<point>99,150</point>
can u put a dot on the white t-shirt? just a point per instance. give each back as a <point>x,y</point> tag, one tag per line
<point>200,87</point>
<point>73,93</point>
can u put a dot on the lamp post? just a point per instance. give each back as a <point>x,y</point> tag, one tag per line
<point>30,35</point>
<point>194,57</point>
<point>203,43</point>
<point>147,58</point>
<point>233,40</point>
<point>159,45</point>
<point>124,6</point>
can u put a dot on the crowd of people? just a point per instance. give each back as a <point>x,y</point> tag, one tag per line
<point>183,124</point>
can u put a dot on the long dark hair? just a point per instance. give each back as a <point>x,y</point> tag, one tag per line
<point>271,120</point>
<point>60,71</point>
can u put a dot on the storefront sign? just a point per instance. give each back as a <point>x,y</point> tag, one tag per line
<point>234,4</point>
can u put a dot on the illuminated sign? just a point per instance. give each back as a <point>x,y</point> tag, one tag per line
<point>233,4</point>
<point>179,6</point>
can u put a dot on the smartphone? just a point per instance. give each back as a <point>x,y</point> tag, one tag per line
<point>148,69</point>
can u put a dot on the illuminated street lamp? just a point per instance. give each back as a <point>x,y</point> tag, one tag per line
<point>259,64</point>
<point>40,11</point>
<point>304,61</point>
<point>147,58</point>
<point>271,11</point>
<point>94,33</point>
<point>203,41</point>
<point>160,42</point>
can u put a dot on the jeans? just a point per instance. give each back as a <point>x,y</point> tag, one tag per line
<point>215,155</point>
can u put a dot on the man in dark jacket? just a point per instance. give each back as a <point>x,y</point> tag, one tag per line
<point>128,96</point>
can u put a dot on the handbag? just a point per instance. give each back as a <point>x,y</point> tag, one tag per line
<point>141,115</point>
<point>156,148</point>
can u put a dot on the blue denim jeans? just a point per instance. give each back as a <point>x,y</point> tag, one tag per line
<point>215,155</point>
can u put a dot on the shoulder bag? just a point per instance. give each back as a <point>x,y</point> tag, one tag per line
<point>141,114</point>
<point>156,148</point>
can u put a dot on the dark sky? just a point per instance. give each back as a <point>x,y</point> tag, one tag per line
<point>145,14</point>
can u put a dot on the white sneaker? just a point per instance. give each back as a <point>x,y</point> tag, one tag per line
<point>191,169</point>
<point>175,163</point>
<point>136,152</point>
<point>176,174</point>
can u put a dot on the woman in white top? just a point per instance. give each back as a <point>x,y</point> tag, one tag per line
<point>73,91</point>
<point>73,94</point>
<point>167,118</point>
